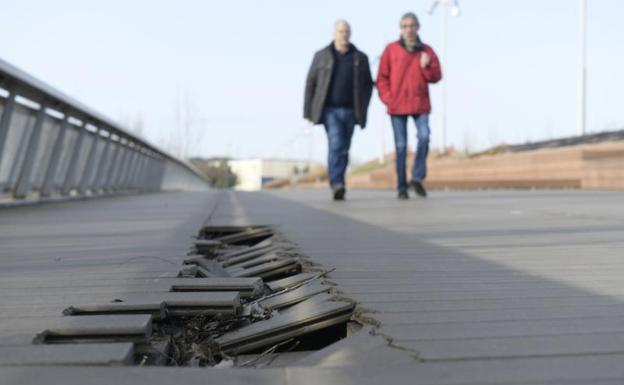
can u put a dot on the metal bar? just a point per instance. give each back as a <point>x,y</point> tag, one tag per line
<point>131,183</point>
<point>16,166</point>
<point>149,169</point>
<point>136,178</point>
<point>90,166</point>
<point>5,121</point>
<point>175,303</point>
<point>153,175</point>
<point>120,167</point>
<point>48,181</point>
<point>134,182</point>
<point>71,169</point>
<point>23,185</point>
<point>142,171</point>
<point>99,174</point>
<point>107,185</point>
<point>128,171</point>
<point>142,178</point>
<point>159,175</point>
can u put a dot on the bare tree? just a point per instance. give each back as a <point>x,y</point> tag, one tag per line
<point>189,127</point>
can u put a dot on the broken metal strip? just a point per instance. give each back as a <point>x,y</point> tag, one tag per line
<point>291,281</point>
<point>295,296</point>
<point>157,311</point>
<point>298,314</point>
<point>245,236</point>
<point>301,319</point>
<point>162,305</point>
<point>271,269</point>
<point>265,244</point>
<point>207,231</point>
<point>246,287</point>
<point>94,328</point>
<point>317,299</point>
<point>84,354</point>
<point>208,244</point>
<point>269,257</point>
<point>289,334</point>
<point>225,262</point>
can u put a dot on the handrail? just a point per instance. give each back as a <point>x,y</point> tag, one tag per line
<point>116,160</point>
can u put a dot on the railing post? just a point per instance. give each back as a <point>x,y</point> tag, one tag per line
<point>131,182</point>
<point>90,166</point>
<point>128,168</point>
<point>147,177</point>
<point>122,164</point>
<point>157,174</point>
<point>108,183</point>
<point>71,169</point>
<point>137,171</point>
<point>99,175</point>
<point>5,120</point>
<point>161,174</point>
<point>23,185</point>
<point>48,181</point>
<point>18,161</point>
<point>140,177</point>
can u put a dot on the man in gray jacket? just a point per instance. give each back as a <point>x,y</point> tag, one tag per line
<point>337,94</point>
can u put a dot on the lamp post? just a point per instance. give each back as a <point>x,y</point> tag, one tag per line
<point>451,7</point>
<point>581,95</point>
<point>382,123</point>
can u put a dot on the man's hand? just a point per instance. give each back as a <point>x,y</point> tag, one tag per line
<point>424,60</point>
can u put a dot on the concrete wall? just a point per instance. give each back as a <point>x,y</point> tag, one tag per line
<point>591,166</point>
<point>252,172</point>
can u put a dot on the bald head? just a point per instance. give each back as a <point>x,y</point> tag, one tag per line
<point>342,35</point>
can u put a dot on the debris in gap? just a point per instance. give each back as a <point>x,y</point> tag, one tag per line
<point>241,290</point>
<point>188,271</point>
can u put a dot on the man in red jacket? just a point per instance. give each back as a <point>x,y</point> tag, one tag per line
<point>407,67</point>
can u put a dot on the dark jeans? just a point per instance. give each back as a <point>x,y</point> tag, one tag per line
<point>399,126</point>
<point>339,124</point>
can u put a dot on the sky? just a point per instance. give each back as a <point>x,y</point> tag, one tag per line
<point>219,78</point>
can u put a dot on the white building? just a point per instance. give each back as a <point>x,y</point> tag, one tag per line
<point>252,174</point>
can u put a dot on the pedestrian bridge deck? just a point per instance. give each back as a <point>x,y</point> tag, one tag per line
<point>472,288</point>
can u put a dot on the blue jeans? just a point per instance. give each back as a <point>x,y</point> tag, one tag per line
<point>339,124</point>
<point>399,126</point>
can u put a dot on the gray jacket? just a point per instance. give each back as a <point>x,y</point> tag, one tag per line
<point>319,77</point>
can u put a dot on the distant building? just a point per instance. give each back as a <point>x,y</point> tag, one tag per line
<point>252,174</point>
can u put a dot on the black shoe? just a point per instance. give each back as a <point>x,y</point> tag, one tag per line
<point>403,195</point>
<point>339,193</point>
<point>419,189</point>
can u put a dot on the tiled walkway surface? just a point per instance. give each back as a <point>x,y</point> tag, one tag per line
<point>473,288</point>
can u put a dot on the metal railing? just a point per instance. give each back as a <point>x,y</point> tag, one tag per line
<point>53,146</point>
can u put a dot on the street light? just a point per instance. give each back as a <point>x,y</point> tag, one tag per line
<point>582,70</point>
<point>453,7</point>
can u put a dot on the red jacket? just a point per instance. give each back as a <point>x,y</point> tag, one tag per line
<point>402,83</point>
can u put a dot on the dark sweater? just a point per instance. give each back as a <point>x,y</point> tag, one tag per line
<point>340,92</point>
